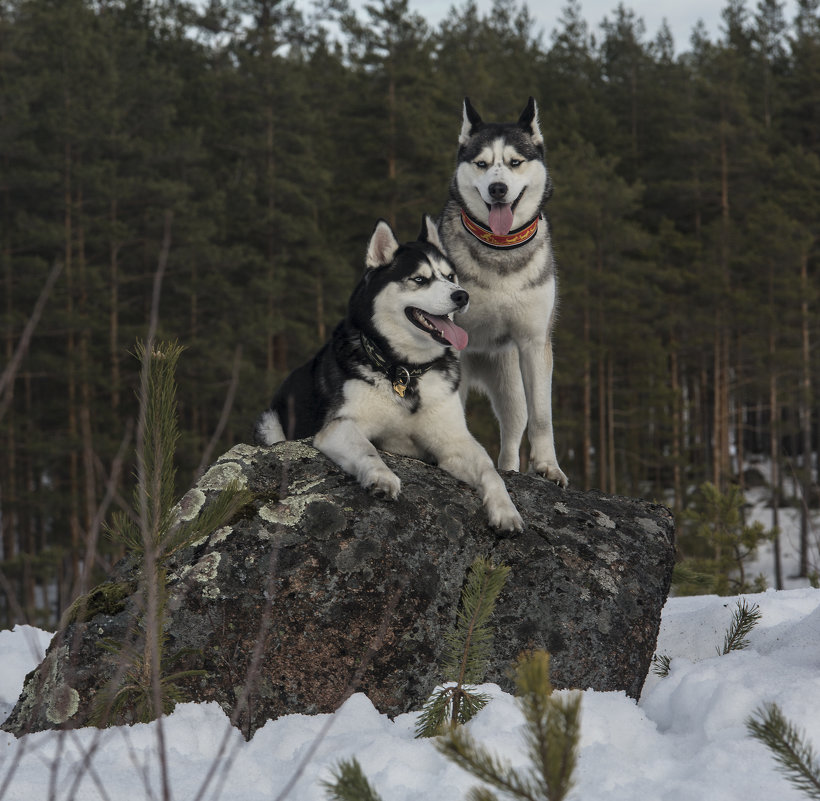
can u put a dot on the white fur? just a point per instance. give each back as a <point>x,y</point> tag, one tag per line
<point>466,126</point>
<point>374,416</point>
<point>269,429</point>
<point>382,246</point>
<point>528,176</point>
<point>535,129</point>
<point>432,234</point>
<point>516,376</point>
<point>433,297</point>
<point>512,306</point>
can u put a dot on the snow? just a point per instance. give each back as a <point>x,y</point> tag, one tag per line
<point>686,739</point>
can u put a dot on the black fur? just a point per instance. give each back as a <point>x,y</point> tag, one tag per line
<point>314,391</point>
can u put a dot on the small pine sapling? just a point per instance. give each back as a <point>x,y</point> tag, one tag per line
<point>744,619</point>
<point>552,726</point>
<point>146,685</point>
<point>154,523</point>
<point>795,757</point>
<point>468,648</point>
<point>719,543</point>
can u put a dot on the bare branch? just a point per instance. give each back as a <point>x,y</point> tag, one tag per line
<point>223,419</point>
<point>7,378</point>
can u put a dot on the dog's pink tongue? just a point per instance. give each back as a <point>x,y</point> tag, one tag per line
<point>501,218</point>
<point>456,336</point>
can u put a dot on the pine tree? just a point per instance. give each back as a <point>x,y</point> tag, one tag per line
<point>717,541</point>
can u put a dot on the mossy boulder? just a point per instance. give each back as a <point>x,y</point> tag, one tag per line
<point>317,589</point>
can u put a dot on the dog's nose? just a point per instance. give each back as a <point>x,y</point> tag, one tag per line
<point>460,298</point>
<point>498,190</point>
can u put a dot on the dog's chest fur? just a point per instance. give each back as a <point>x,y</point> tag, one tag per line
<point>393,423</point>
<point>512,293</point>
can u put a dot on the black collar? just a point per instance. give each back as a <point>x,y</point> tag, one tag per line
<point>399,375</point>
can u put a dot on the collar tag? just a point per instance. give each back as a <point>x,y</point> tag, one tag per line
<point>402,381</point>
<point>399,376</point>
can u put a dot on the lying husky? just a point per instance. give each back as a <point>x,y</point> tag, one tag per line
<point>497,237</point>
<point>389,377</point>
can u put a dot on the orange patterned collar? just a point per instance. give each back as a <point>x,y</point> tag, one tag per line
<point>512,240</point>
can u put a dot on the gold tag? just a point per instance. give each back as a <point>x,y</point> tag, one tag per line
<point>402,382</point>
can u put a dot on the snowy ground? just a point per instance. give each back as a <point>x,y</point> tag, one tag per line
<point>685,741</point>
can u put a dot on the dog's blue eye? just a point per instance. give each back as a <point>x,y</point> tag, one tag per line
<point>516,163</point>
<point>481,164</point>
<point>419,279</point>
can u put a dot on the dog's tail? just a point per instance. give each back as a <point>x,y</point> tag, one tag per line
<point>268,429</point>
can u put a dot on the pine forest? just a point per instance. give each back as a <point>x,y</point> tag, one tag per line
<point>223,164</point>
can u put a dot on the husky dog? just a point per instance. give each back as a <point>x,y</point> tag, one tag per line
<point>389,377</point>
<point>499,241</point>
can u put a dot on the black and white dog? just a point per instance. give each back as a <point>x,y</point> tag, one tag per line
<point>495,234</point>
<point>389,377</point>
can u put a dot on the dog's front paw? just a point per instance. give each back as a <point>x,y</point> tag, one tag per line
<point>505,517</point>
<point>551,472</point>
<point>382,482</point>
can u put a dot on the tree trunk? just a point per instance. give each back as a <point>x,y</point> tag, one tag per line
<point>774,456</point>
<point>677,406</point>
<point>273,306</point>
<point>739,421</point>
<point>391,150</point>
<point>71,364</point>
<point>587,382</point>
<point>8,487</point>
<point>114,304</point>
<point>610,405</point>
<point>603,461</point>
<point>805,416</point>
<point>717,411</point>
<point>721,434</point>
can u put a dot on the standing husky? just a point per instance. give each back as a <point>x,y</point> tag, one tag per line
<point>494,232</point>
<point>389,377</point>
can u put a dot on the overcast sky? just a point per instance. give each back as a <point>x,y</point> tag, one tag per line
<point>680,14</point>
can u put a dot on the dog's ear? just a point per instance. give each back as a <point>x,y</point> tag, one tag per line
<point>382,246</point>
<point>470,123</point>
<point>529,122</point>
<point>429,233</point>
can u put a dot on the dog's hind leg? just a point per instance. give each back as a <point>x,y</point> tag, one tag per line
<point>343,441</point>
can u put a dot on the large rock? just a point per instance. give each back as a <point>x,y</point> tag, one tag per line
<point>339,591</point>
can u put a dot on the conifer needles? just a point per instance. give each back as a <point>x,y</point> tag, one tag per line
<point>146,684</point>
<point>744,619</point>
<point>552,732</point>
<point>795,757</point>
<point>468,649</point>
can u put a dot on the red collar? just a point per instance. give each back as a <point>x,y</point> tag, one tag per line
<point>511,240</point>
